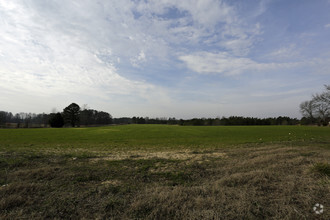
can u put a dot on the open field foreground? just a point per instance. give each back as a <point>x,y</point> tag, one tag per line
<point>165,172</point>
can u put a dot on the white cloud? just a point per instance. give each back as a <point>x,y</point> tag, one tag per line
<point>128,27</point>
<point>109,51</point>
<point>139,59</point>
<point>226,64</point>
<point>327,26</point>
<point>217,11</point>
<point>197,23</point>
<point>239,38</point>
<point>45,54</point>
<point>286,53</point>
<point>205,62</point>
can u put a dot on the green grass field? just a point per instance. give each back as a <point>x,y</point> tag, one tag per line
<point>165,172</point>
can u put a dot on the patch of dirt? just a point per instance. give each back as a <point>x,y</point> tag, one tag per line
<point>169,155</point>
<point>112,182</point>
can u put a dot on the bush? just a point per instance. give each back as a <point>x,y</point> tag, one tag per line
<point>56,120</point>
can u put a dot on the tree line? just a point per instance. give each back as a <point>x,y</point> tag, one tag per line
<point>23,120</point>
<point>315,112</point>
<point>233,120</point>
<point>72,116</point>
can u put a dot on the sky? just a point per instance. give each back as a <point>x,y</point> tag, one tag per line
<point>164,58</point>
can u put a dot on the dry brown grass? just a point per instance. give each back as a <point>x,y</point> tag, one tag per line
<point>273,182</point>
<point>245,182</point>
<point>170,155</point>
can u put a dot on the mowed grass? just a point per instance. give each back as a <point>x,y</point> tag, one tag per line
<point>165,172</point>
<point>157,136</point>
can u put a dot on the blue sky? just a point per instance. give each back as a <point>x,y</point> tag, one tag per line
<point>166,58</point>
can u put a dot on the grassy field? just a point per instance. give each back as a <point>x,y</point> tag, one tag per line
<point>165,172</point>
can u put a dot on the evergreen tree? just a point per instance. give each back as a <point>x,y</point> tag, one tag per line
<point>72,114</point>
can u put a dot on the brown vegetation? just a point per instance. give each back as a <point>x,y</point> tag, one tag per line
<point>250,182</point>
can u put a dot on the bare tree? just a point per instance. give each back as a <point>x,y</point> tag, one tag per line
<point>318,107</point>
<point>307,109</point>
<point>322,104</point>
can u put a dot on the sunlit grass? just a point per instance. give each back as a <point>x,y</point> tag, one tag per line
<point>157,136</point>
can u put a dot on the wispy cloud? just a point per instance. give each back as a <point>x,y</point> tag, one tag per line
<point>63,46</point>
<point>59,54</point>
<point>226,64</point>
<point>150,55</point>
<point>284,53</point>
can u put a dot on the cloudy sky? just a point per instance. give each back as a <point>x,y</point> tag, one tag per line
<point>164,58</point>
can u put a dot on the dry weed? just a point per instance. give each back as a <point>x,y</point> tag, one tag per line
<point>253,182</point>
<point>169,155</point>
